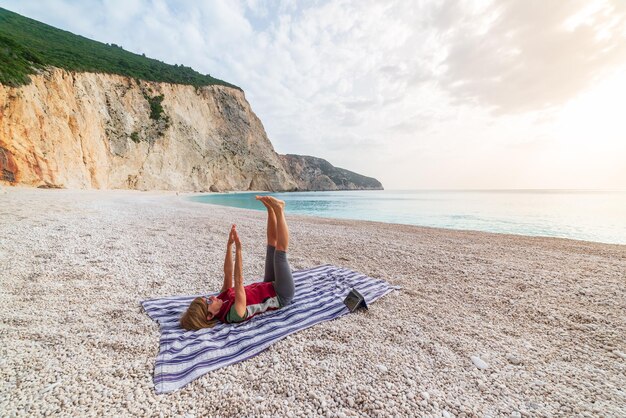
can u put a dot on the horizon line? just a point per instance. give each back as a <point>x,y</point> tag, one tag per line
<point>493,190</point>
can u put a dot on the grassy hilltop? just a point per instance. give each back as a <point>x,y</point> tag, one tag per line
<point>27,45</point>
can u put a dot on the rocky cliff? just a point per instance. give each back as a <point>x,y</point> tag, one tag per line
<point>87,130</point>
<point>312,173</point>
<point>115,119</point>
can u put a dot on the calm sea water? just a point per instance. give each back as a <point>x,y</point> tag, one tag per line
<point>585,215</point>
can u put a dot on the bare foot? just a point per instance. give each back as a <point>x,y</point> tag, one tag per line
<point>263,199</point>
<point>271,202</point>
<point>276,203</point>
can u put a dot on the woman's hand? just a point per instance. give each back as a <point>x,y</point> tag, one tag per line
<point>236,239</point>
<point>231,235</point>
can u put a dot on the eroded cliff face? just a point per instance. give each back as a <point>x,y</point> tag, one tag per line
<point>85,130</point>
<point>315,174</point>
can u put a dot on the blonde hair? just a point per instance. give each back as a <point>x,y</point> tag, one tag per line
<point>195,316</point>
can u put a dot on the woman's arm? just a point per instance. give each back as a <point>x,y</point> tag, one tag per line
<point>240,292</point>
<point>228,261</point>
<point>228,269</point>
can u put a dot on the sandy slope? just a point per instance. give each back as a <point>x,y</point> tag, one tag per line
<point>547,315</point>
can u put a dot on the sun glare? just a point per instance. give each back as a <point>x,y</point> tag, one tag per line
<point>589,147</point>
<point>596,117</point>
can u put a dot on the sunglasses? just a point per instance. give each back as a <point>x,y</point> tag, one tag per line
<point>208,302</point>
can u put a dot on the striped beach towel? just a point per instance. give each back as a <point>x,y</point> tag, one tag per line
<point>186,355</point>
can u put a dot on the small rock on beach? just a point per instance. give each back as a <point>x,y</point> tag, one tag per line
<point>478,362</point>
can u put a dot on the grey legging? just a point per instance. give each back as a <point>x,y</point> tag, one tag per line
<point>277,270</point>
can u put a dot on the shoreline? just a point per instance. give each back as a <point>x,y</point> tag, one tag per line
<point>189,195</point>
<point>395,223</point>
<point>545,314</point>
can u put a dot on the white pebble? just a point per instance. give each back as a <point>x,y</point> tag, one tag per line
<point>52,386</point>
<point>619,354</point>
<point>426,395</point>
<point>513,359</point>
<point>382,368</point>
<point>479,363</point>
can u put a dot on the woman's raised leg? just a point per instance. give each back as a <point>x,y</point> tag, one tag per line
<point>282,231</point>
<point>284,284</point>
<point>271,224</point>
<point>271,240</point>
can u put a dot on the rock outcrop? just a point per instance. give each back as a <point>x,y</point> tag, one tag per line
<point>87,130</point>
<point>312,173</point>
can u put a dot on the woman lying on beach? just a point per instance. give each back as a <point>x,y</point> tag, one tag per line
<point>240,303</point>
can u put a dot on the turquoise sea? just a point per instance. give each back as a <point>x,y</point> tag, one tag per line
<point>584,215</point>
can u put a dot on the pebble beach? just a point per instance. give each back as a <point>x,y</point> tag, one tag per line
<point>485,324</point>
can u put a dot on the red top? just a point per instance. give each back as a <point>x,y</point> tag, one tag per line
<point>260,297</point>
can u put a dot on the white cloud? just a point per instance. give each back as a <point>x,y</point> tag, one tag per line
<point>520,56</point>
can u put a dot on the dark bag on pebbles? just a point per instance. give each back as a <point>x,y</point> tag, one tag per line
<point>355,300</point>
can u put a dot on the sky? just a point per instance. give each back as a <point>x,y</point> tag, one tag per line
<point>419,94</point>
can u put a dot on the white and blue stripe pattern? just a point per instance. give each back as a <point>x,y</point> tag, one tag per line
<point>186,355</point>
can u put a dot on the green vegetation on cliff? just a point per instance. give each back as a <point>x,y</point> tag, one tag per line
<point>27,45</point>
